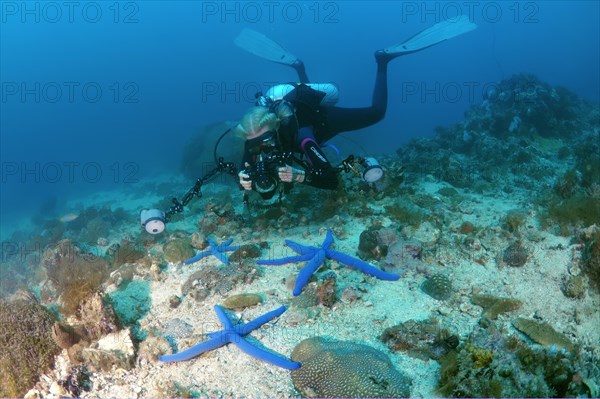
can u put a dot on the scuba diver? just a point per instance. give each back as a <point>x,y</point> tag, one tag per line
<point>286,130</point>
<point>299,118</point>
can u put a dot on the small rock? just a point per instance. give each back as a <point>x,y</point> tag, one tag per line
<point>178,250</point>
<point>112,350</point>
<point>444,310</point>
<point>57,390</point>
<point>245,252</point>
<point>242,301</point>
<point>177,328</point>
<point>515,255</point>
<point>574,287</point>
<point>33,394</point>
<point>350,294</point>
<point>296,316</point>
<point>174,301</point>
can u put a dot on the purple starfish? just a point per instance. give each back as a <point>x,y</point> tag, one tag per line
<point>218,250</point>
<point>316,256</point>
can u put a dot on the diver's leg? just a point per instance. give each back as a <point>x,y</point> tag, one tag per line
<point>348,119</point>
<point>298,65</point>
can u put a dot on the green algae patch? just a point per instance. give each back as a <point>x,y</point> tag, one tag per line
<point>26,346</point>
<point>242,301</point>
<point>542,333</point>
<point>493,306</point>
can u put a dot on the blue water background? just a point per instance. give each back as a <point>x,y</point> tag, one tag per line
<point>164,70</point>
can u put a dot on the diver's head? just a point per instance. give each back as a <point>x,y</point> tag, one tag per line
<point>259,126</point>
<point>256,122</point>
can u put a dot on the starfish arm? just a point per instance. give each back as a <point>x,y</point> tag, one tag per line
<point>196,350</point>
<point>328,240</point>
<point>361,265</point>
<point>299,248</point>
<point>259,321</point>
<point>221,256</point>
<point>224,244</point>
<point>283,261</point>
<point>265,355</point>
<point>223,318</point>
<point>307,271</point>
<point>197,257</point>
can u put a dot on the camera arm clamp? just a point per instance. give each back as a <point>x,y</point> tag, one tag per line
<point>195,191</point>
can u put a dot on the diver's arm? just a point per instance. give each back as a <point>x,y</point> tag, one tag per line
<point>244,178</point>
<point>319,172</point>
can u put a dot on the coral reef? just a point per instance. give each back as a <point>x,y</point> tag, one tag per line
<point>321,292</point>
<point>369,247</point>
<point>542,333</point>
<point>503,144</point>
<point>97,317</point>
<point>513,220</point>
<point>438,286</point>
<point>493,306</point>
<point>248,251</point>
<point>113,350</point>
<point>492,364</point>
<point>523,105</point>
<point>515,254</point>
<point>178,250</point>
<point>218,279</point>
<point>126,252</point>
<point>336,369</point>
<point>27,349</point>
<point>404,255</point>
<point>591,254</point>
<point>75,273</point>
<point>151,348</point>
<point>77,381</point>
<point>423,339</point>
<point>574,287</point>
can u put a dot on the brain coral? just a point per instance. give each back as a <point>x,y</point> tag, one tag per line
<point>334,369</point>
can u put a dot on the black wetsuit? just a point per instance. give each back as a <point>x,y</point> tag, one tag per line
<point>314,124</point>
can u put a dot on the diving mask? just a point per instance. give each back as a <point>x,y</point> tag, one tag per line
<point>264,143</point>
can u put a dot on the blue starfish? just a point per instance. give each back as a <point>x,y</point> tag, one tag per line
<point>218,250</point>
<point>315,257</point>
<point>235,334</point>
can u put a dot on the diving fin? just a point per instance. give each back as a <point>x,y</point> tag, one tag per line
<point>260,45</point>
<point>431,36</point>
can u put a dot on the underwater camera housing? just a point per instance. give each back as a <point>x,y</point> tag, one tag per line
<point>153,220</point>
<point>264,173</point>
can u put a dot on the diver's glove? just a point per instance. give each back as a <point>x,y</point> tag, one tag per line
<point>290,174</point>
<point>244,177</point>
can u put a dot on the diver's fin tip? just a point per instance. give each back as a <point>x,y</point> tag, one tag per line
<point>433,35</point>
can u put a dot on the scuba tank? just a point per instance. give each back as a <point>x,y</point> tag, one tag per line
<point>316,94</point>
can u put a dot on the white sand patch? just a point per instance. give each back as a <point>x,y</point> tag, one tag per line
<point>228,372</point>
